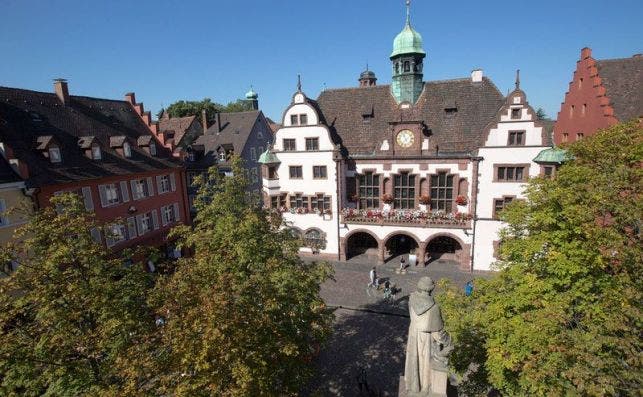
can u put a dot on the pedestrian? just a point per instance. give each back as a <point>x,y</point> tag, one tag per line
<point>373,276</point>
<point>468,288</point>
<point>402,264</point>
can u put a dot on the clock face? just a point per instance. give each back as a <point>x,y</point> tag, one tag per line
<point>405,138</point>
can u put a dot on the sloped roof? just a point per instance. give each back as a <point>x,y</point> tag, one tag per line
<point>623,81</point>
<point>7,174</point>
<point>179,125</point>
<point>233,133</point>
<point>457,132</point>
<point>28,115</point>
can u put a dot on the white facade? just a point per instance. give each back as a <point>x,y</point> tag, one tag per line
<point>499,151</point>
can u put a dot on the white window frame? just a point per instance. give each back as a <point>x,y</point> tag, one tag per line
<point>54,154</point>
<point>111,194</point>
<point>164,185</point>
<point>117,233</point>
<point>127,149</point>
<point>96,152</point>
<point>139,189</point>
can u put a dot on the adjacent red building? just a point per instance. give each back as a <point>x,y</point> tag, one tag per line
<point>106,151</point>
<point>602,93</point>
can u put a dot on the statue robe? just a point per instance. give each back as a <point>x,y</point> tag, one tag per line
<point>425,319</point>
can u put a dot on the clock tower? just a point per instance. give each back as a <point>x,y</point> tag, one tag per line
<point>407,61</point>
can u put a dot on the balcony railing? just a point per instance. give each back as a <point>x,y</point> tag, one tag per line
<point>415,218</point>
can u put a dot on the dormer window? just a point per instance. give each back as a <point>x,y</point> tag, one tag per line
<point>152,148</point>
<point>515,113</point>
<point>222,156</point>
<point>96,152</point>
<point>303,119</point>
<point>127,149</point>
<point>54,154</point>
<point>294,119</point>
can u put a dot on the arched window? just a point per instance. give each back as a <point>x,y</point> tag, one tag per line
<point>397,67</point>
<point>315,239</point>
<point>407,66</point>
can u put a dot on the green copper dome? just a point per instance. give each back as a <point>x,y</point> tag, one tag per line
<point>553,155</point>
<point>252,94</point>
<point>268,157</point>
<point>408,41</point>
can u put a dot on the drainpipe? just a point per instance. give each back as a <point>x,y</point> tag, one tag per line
<point>474,203</point>
<point>337,193</point>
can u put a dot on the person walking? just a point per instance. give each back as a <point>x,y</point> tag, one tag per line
<point>402,264</point>
<point>373,277</point>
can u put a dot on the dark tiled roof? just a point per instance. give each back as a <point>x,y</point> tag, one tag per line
<point>460,132</point>
<point>29,115</point>
<point>178,125</point>
<point>623,80</point>
<point>233,134</point>
<point>7,174</point>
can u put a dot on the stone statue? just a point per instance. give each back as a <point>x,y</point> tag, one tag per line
<point>428,345</point>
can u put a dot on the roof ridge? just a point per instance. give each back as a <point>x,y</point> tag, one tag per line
<point>53,94</point>
<point>633,57</point>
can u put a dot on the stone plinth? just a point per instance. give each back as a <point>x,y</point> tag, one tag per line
<point>439,381</point>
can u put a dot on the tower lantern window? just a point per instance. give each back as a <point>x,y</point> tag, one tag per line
<point>407,66</point>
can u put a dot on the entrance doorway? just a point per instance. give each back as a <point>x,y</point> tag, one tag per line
<point>361,243</point>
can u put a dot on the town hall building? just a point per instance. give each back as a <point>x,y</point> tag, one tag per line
<point>418,168</point>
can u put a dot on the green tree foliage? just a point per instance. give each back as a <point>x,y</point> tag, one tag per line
<point>72,316</point>
<point>243,316</point>
<point>195,108</point>
<point>563,315</point>
<point>541,115</point>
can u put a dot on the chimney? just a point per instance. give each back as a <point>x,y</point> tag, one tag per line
<point>204,120</point>
<point>131,98</point>
<point>62,92</point>
<point>476,75</point>
<point>218,121</point>
<point>585,53</point>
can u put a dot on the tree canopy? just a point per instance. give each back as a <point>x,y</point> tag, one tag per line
<point>195,108</point>
<point>242,316</point>
<point>563,314</point>
<point>541,114</point>
<point>72,316</point>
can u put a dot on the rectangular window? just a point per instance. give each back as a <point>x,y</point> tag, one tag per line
<point>303,119</point>
<point>579,136</point>
<point>253,153</point>
<point>404,191</point>
<point>319,172</point>
<point>169,214</point>
<point>312,144</point>
<point>116,234</point>
<point>274,201</point>
<point>289,145</point>
<point>254,175</point>
<point>108,194</point>
<point>548,171</point>
<point>222,156</point>
<point>296,172</point>
<point>272,173</point>
<point>499,205</point>
<point>298,201</point>
<point>510,174</point>
<point>565,136</point>
<point>369,190</point>
<point>139,189</point>
<point>294,119</point>
<point>144,223</point>
<point>516,138</point>
<point>515,113</point>
<point>163,183</point>
<point>442,192</point>
<point>320,202</point>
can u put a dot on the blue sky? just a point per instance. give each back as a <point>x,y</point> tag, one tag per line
<point>171,50</point>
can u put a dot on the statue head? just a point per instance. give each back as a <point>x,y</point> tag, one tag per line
<point>426,284</point>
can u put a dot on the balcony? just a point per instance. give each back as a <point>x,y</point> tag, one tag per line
<point>271,183</point>
<point>412,218</point>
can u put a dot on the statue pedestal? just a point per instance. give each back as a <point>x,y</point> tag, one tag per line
<point>439,381</point>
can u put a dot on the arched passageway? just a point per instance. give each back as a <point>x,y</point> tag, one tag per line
<point>444,247</point>
<point>399,244</point>
<point>361,243</point>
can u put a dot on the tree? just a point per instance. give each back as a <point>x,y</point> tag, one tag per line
<point>541,115</point>
<point>563,314</point>
<point>243,316</point>
<point>72,316</point>
<point>195,108</point>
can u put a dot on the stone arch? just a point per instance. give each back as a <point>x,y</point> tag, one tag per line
<point>448,246</point>
<point>314,238</point>
<point>394,244</point>
<point>359,241</point>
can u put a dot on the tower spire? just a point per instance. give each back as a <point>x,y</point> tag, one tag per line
<point>517,79</point>
<point>408,12</point>
<point>299,82</point>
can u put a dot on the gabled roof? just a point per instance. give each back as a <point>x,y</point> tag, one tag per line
<point>457,132</point>
<point>28,115</point>
<point>232,133</point>
<point>623,82</point>
<point>7,174</point>
<point>178,125</point>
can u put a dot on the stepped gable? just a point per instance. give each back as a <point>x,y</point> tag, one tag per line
<point>360,116</point>
<point>27,115</point>
<point>623,82</point>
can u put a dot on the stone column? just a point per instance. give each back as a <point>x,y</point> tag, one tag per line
<point>421,254</point>
<point>380,253</point>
